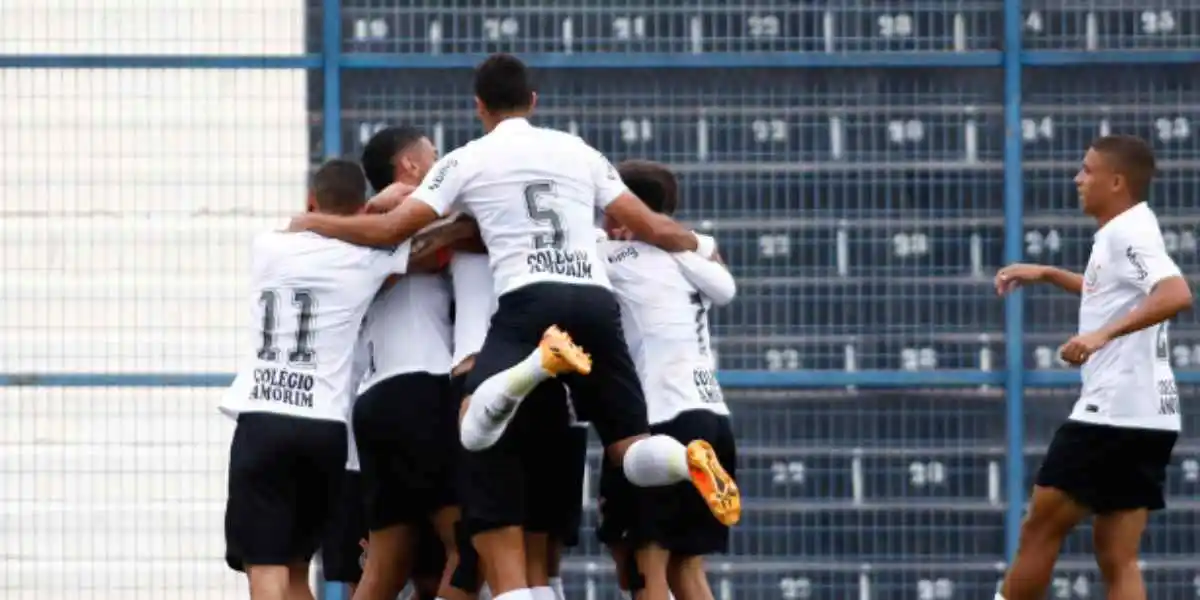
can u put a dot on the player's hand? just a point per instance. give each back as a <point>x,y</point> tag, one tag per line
<point>390,197</point>
<point>299,222</point>
<point>620,233</point>
<point>1080,348</point>
<point>1011,277</point>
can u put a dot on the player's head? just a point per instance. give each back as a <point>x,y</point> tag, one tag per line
<point>653,183</point>
<point>1116,174</point>
<point>503,89</point>
<point>338,187</point>
<point>398,154</point>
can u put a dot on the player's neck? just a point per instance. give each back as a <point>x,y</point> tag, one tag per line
<point>495,120</point>
<point>1105,216</point>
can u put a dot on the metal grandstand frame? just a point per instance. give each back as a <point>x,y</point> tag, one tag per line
<point>332,61</point>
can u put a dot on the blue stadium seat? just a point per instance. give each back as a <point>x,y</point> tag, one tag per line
<point>808,477</point>
<point>1053,133</point>
<point>741,349</point>
<point>751,351</point>
<point>1087,86</point>
<point>779,251</point>
<point>1163,25</point>
<point>831,194</point>
<point>912,26</point>
<point>905,582</point>
<point>937,477</point>
<point>949,418</point>
<point>863,305</point>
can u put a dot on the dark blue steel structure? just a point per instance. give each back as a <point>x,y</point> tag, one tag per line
<point>866,166</point>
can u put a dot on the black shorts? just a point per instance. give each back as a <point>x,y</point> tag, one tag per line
<point>555,487</point>
<point>674,517</point>
<point>285,481</point>
<point>406,430</point>
<point>1108,469</point>
<point>495,492</point>
<point>345,549</point>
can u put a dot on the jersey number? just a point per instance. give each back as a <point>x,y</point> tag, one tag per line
<point>302,355</point>
<point>544,216</point>
<point>701,311</point>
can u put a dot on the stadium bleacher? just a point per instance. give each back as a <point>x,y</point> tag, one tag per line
<point>848,157</point>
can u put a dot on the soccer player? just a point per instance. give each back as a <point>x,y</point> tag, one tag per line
<point>405,420</point>
<point>665,299</point>
<point>533,192</point>
<point>554,488</point>
<point>291,399</point>
<point>1109,459</point>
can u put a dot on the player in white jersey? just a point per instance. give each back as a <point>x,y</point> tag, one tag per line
<point>291,398</point>
<point>405,419</point>
<point>533,192</point>
<point>1110,458</point>
<point>553,489</point>
<point>665,299</point>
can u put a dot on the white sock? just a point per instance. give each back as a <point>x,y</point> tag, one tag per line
<point>656,460</point>
<point>998,596</point>
<point>557,586</point>
<point>544,592</point>
<point>626,595</point>
<point>521,594</point>
<point>495,401</point>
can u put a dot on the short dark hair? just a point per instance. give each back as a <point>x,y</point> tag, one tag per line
<point>1133,158</point>
<point>339,187</point>
<point>381,150</point>
<point>653,182</point>
<point>503,83</point>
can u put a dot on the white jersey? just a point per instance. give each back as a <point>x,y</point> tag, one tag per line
<point>309,295</point>
<point>534,193</point>
<point>474,303</point>
<point>1128,382</point>
<point>408,329</point>
<point>665,318</point>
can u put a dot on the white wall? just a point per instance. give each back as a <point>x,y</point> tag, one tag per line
<point>127,197</point>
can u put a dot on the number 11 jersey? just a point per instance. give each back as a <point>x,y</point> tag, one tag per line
<point>309,295</point>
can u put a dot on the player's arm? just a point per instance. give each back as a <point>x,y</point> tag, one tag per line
<point>710,276</point>
<point>1013,276</point>
<point>432,248</point>
<point>429,201</point>
<point>1146,264</point>
<point>627,209</point>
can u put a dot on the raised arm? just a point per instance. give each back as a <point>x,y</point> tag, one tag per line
<point>709,276</point>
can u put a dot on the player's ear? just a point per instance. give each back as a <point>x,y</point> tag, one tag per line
<point>532,100</point>
<point>480,108</point>
<point>310,205</point>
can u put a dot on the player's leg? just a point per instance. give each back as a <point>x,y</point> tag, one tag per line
<point>688,579</point>
<point>492,480</point>
<point>1069,482</point>
<point>345,548</point>
<point>1133,491</point>
<point>691,532</point>
<point>571,502</point>
<point>429,563</point>
<point>495,400</point>
<point>615,405</point>
<point>321,487</point>
<point>555,486</point>
<point>380,421</point>
<point>267,529</point>
<point>672,521</point>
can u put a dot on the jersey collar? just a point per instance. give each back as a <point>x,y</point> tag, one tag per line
<point>512,123</point>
